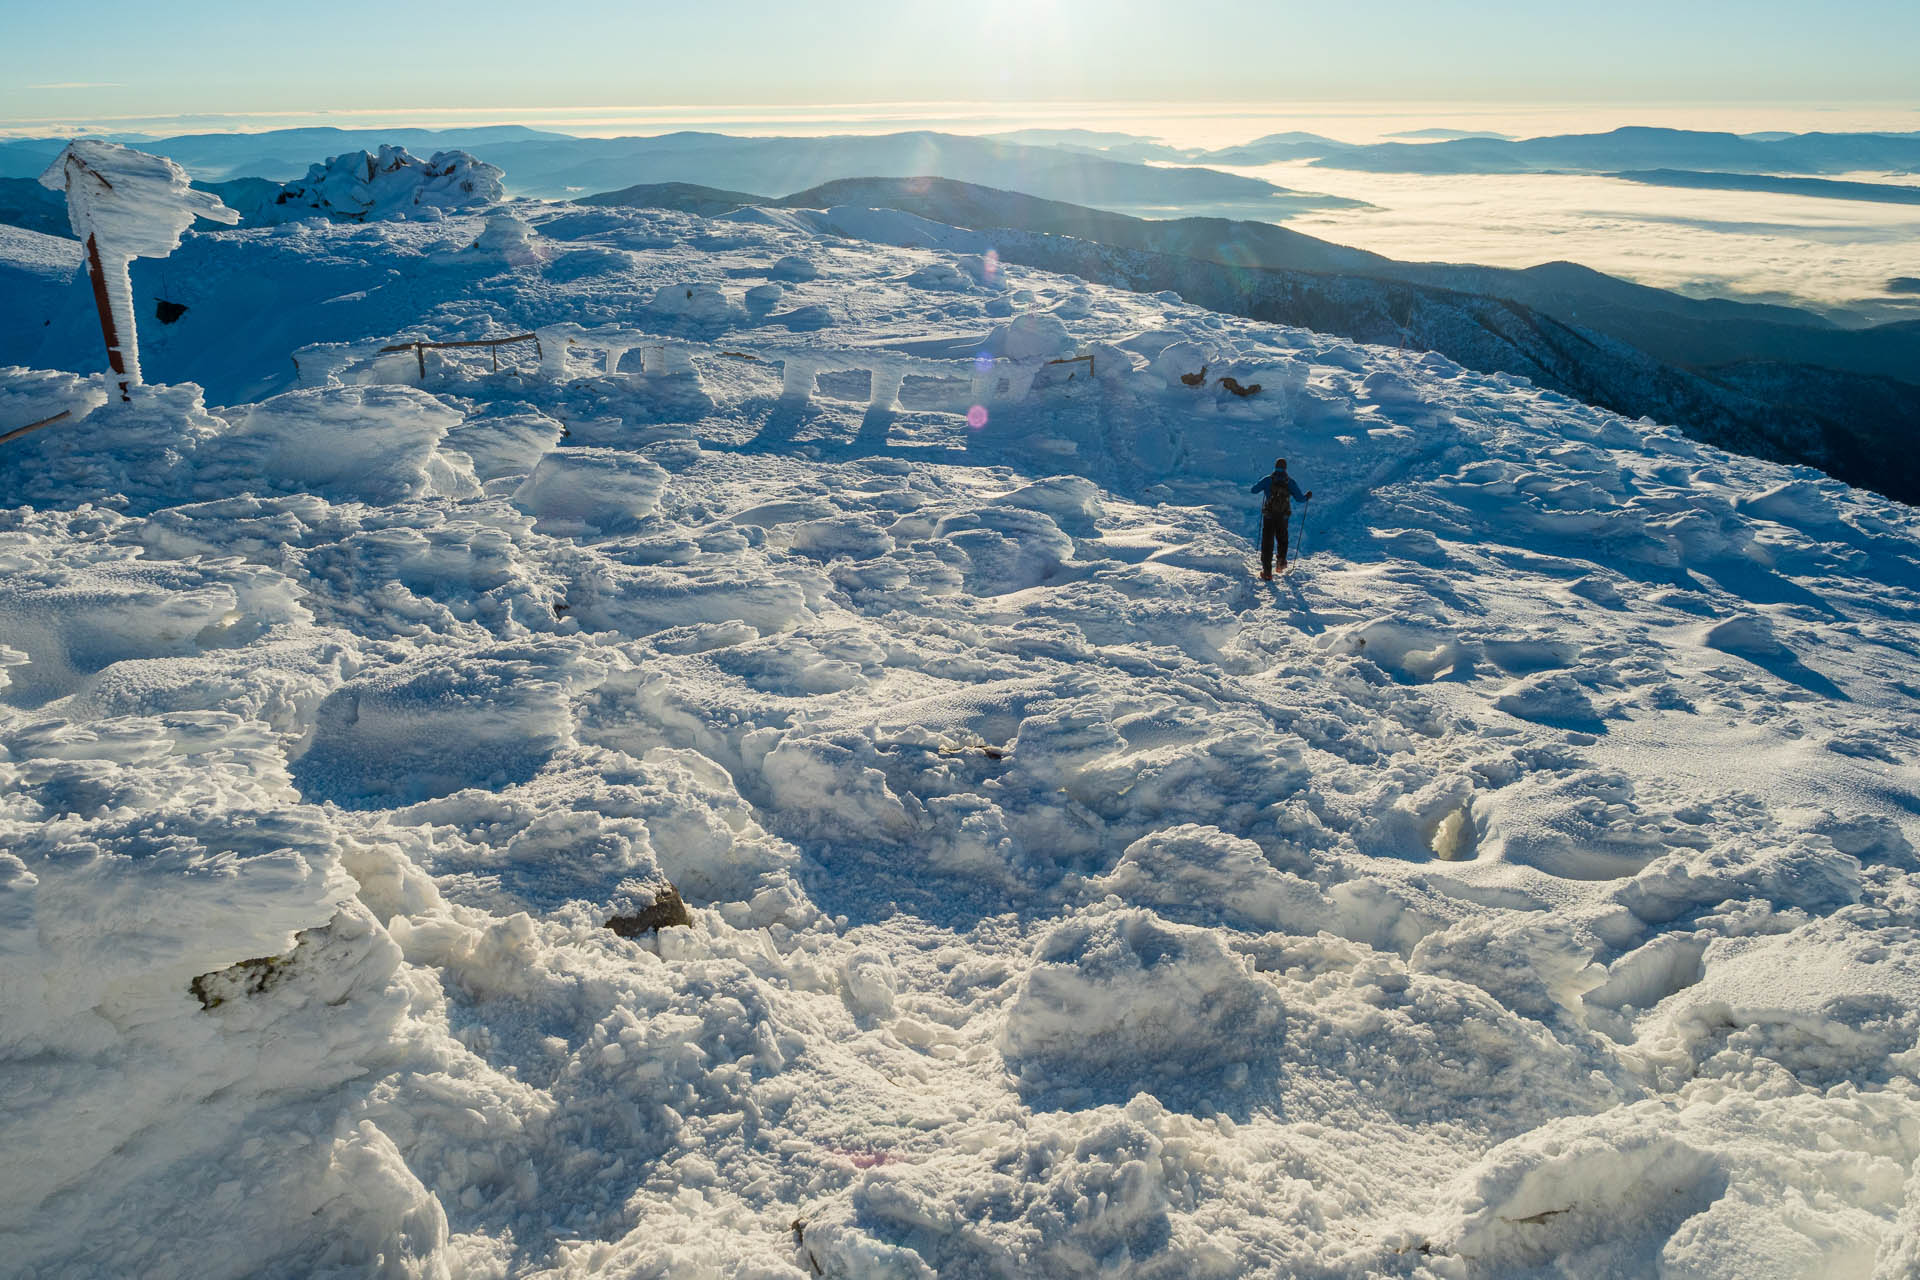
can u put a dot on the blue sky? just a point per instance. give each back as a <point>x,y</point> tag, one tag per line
<point>225,57</point>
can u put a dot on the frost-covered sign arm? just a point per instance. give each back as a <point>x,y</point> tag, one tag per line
<point>125,204</point>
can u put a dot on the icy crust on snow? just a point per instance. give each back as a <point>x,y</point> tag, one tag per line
<point>1524,884</point>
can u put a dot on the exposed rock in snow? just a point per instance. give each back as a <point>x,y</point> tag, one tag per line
<point>360,187</point>
<point>666,911</point>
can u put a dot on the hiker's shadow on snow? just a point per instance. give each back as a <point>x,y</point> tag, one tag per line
<point>1288,594</point>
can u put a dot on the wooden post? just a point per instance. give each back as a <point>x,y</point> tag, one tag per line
<point>17,432</point>
<point>108,330</point>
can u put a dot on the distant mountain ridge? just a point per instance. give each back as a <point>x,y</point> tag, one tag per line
<point>560,166</point>
<point>545,163</point>
<point>1446,151</point>
<point>1638,147</point>
<point>1826,188</point>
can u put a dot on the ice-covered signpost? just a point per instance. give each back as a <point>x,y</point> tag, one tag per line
<point>125,204</point>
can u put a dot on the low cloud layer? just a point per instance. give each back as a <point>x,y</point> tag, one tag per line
<point>1751,245</point>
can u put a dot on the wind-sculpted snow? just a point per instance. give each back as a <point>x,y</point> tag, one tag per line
<point>1523,884</point>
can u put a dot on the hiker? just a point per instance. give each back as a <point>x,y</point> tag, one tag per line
<point>1277,511</point>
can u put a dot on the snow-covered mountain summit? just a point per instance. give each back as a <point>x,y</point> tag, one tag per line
<point>1525,881</point>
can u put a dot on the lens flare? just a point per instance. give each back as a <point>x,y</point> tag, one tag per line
<point>977,416</point>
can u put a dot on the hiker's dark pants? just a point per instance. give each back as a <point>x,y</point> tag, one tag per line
<point>1273,532</point>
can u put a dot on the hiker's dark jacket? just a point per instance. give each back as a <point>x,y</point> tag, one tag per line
<point>1279,497</point>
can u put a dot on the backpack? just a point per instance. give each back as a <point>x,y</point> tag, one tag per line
<point>1279,504</point>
